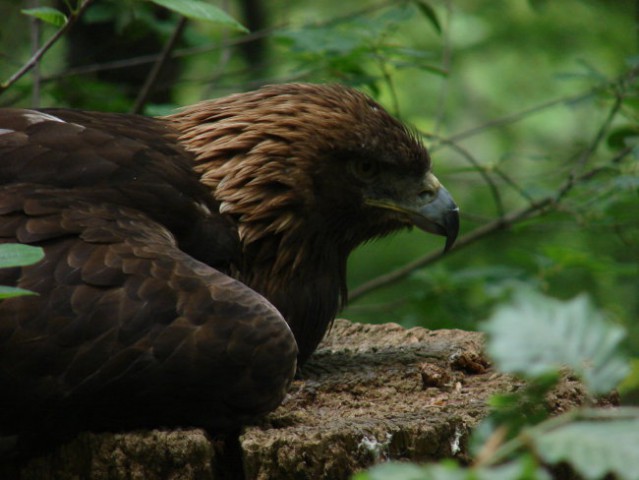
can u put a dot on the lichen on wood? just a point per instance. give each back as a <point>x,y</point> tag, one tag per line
<point>370,393</point>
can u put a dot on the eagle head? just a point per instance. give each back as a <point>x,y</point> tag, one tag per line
<point>308,172</point>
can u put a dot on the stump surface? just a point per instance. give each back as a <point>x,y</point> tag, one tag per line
<point>369,394</point>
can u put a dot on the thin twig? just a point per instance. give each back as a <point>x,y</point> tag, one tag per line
<point>499,205</point>
<point>153,57</point>
<point>33,61</point>
<point>154,74</point>
<point>222,63</point>
<point>523,114</point>
<point>186,52</point>
<point>480,232</point>
<point>515,117</point>
<point>36,34</point>
<point>514,185</point>
<point>388,79</point>
<point>575,176</point>
<point>534,209</point>
<point>603,130</point>
<point>446,64</point>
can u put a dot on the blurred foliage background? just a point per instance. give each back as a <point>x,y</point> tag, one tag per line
<point>530,110</point>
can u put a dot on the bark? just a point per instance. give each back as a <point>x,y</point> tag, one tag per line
<point>369,394</point>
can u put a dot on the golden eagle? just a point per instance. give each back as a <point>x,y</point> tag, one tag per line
<point>191,261</point>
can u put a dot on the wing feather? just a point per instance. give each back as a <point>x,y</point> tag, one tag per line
<point>127,329</point>
<point>124,160</point>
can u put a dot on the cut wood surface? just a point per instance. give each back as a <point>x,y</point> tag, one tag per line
<point>370,393</point>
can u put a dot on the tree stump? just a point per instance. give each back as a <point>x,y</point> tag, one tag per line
<point>370,393</point>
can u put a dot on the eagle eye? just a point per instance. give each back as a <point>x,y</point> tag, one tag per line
<point>365,169</point>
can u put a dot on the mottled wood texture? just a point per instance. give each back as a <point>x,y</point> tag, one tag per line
<point>369,394</point>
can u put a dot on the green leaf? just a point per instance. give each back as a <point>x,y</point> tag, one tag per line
<point>394,471</point>
<point>16,255</point>
<point>8,292</point>
<point>47,15</point>
<point>429,12</point>
<point>536,335</point>
<point>623,136</point>
<point>524,468</point>
<point>594,447</point>
<point>199,10</point>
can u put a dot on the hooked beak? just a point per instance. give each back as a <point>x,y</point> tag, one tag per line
<point>433,210</point>
<point>440,216</point>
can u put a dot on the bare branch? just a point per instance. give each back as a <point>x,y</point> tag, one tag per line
<point>534,209</point>
<point>499,205</point>
<point>575,176</point>
<point>33,61</point>
<point>153,57</point>
<point>522,115</point>
<point>222,63</point>
<point>388,79</point>
<point>514,185</point>
<point>516,117</point>
<point>143,96</point>
<point>446,63</point>
<point>186,52</point>
<point>502,223</point>
<point>36,34</point>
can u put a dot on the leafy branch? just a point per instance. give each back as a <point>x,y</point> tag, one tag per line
<point>73,17</point>
<point>187,9</point>
<point>536,207</point>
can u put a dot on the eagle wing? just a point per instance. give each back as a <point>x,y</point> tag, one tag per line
<point>129,328</point>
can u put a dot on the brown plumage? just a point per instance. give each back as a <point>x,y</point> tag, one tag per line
<point>179,250</point>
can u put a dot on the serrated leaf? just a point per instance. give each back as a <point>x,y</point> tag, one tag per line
<point>16,255</point>
<point>8,292</point>
<point>536,335</point>
<point>199,10</point>
<point>594,448</point>
<point>47,15</point>
<point>429,12</point>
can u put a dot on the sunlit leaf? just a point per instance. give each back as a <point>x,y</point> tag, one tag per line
<point>47,15</point>
<point>199,10</point>
<point>537,334</point>
<point>595,448</point>
<point>8,292</point>
<point>15,255</point>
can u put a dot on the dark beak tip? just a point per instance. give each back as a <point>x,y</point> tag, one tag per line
<point>451,228</point>
<point>439,216</point>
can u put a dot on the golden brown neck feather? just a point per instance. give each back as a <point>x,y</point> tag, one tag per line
<point>275,160</point>
<point>257,152</point>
